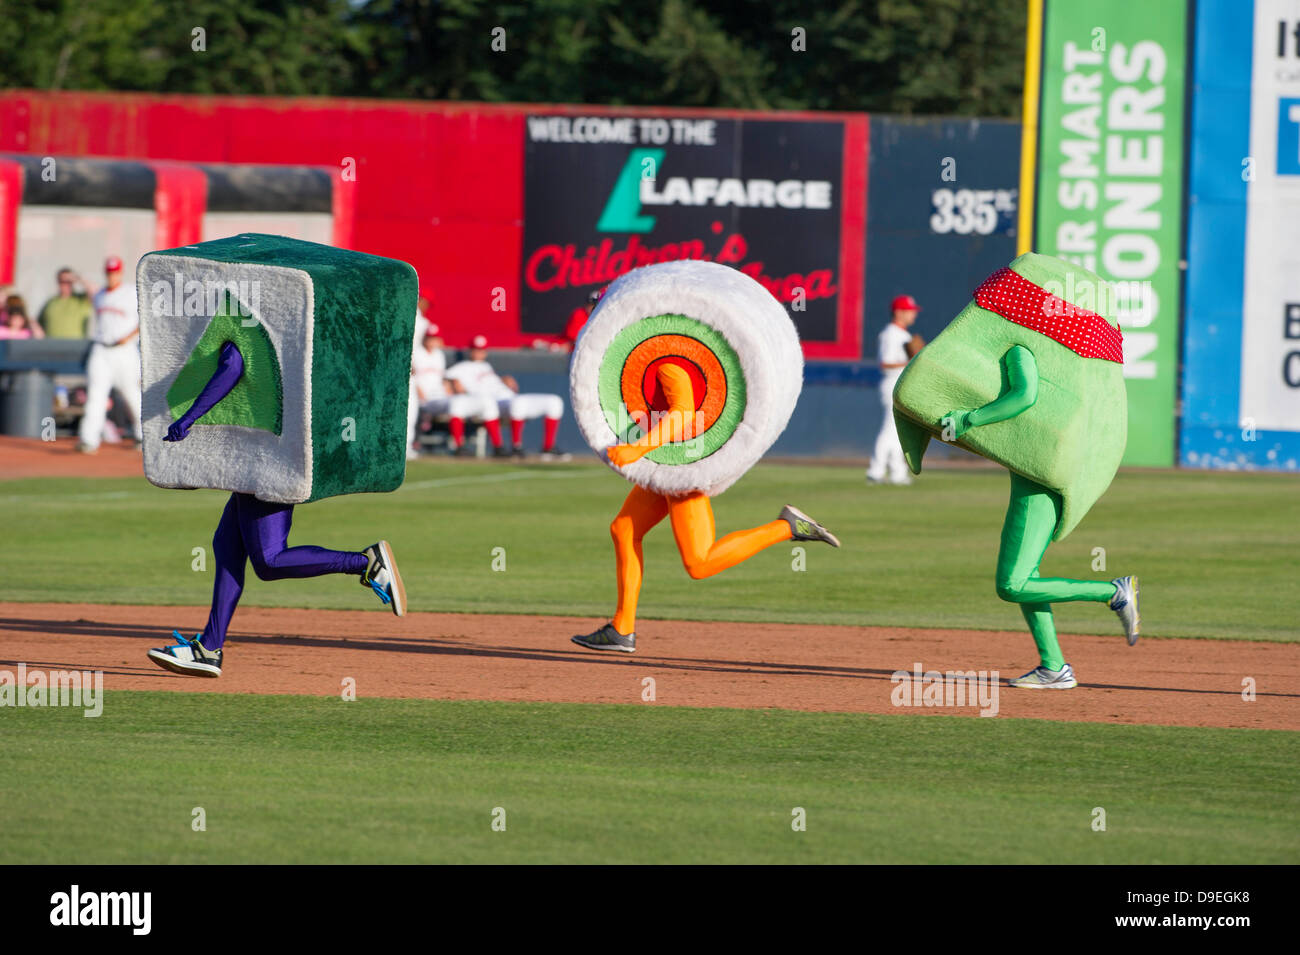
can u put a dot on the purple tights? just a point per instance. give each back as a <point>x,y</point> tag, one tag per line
<point>258,531</point>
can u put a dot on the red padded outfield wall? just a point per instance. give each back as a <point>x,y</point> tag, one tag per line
<point>443,186</point>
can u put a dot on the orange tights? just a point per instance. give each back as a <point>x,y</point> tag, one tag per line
<point>693,529</point>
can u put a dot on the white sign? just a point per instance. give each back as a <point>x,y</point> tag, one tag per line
<point>1270,345</point>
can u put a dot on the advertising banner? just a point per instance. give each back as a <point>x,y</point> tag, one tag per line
<point>1241,366</point>
<point>1110,183</point>
<point>941,216</point>
<point>606,194</point>
<point>1270,342</point>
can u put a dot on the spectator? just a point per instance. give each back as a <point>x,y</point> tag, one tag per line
<point>17,323</point>
<point>477,377</point>
<point>431,396</point>
<point>114,358</point>
<point>67,314</point>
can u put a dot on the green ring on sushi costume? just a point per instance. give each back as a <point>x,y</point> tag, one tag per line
<point>611,393</point>
<point>1073,437</point>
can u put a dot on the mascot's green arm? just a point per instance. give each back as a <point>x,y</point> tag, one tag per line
<point>1020,394</point>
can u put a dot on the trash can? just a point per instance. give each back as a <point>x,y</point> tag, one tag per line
<point>26,401</point>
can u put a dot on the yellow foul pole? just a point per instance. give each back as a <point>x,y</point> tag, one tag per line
<point>1029,127</point>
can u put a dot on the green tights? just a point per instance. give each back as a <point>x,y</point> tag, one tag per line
<point>1031,520</point>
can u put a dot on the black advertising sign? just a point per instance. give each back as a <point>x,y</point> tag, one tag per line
<point>941,215</point>
<point>606,194</point>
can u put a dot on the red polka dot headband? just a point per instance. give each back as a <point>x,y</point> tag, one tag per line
<point>1019,300</point>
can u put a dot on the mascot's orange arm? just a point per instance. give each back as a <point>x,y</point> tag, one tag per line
<point>676,384</point>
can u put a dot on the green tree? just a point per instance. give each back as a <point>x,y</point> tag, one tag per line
<point>287,48</point>
<point>900,56</point>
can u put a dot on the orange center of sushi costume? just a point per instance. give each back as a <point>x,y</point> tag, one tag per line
<point>691,516</point>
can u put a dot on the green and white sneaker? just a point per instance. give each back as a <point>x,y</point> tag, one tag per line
<point>1041,678</point>
<point>607,638</point>
<point>804,528</point>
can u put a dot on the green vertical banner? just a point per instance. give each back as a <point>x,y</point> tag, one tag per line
<point>1110,183</point>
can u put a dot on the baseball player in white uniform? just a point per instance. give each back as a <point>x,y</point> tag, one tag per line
<point>892,349</point>
<point>476,376</point>
<point>429,393</point>
<point>114,357</point>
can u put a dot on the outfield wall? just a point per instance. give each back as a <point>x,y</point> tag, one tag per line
<point>513,214</point>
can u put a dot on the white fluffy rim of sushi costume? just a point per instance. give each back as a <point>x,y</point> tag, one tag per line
<point>729,332</point>
<point>272,467</point>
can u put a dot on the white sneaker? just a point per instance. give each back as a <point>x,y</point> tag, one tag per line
<point>187,657</point>
<point>1041,678</point>
<point>1125,604</point>
<point>382,577</point>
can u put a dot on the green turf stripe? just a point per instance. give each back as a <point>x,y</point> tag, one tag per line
<point>302,779</point>
<point>921,556</point>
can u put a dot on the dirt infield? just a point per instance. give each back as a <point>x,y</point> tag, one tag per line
<point>529,658</point>
<point>32,458</point>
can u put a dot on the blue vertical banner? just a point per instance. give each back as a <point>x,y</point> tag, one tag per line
<point>1241,323</point>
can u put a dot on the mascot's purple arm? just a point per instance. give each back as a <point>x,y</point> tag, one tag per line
<point>230,365</point>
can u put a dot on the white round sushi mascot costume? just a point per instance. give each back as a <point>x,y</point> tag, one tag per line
<point>684,375</point>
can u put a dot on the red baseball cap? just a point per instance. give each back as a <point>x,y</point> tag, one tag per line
<point>112,264</point>
<point>904,302</point>
<point>479,341</point>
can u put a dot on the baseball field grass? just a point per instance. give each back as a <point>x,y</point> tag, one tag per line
<point>302,779</point>
<point>308,779</point>
<point>1216,553</point>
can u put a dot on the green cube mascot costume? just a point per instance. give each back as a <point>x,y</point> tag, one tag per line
<point>1030,375</point>
<point>277,370</point>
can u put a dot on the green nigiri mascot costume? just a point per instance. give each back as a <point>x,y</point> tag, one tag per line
<point>275,369</point>
<point>1030,375</point>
